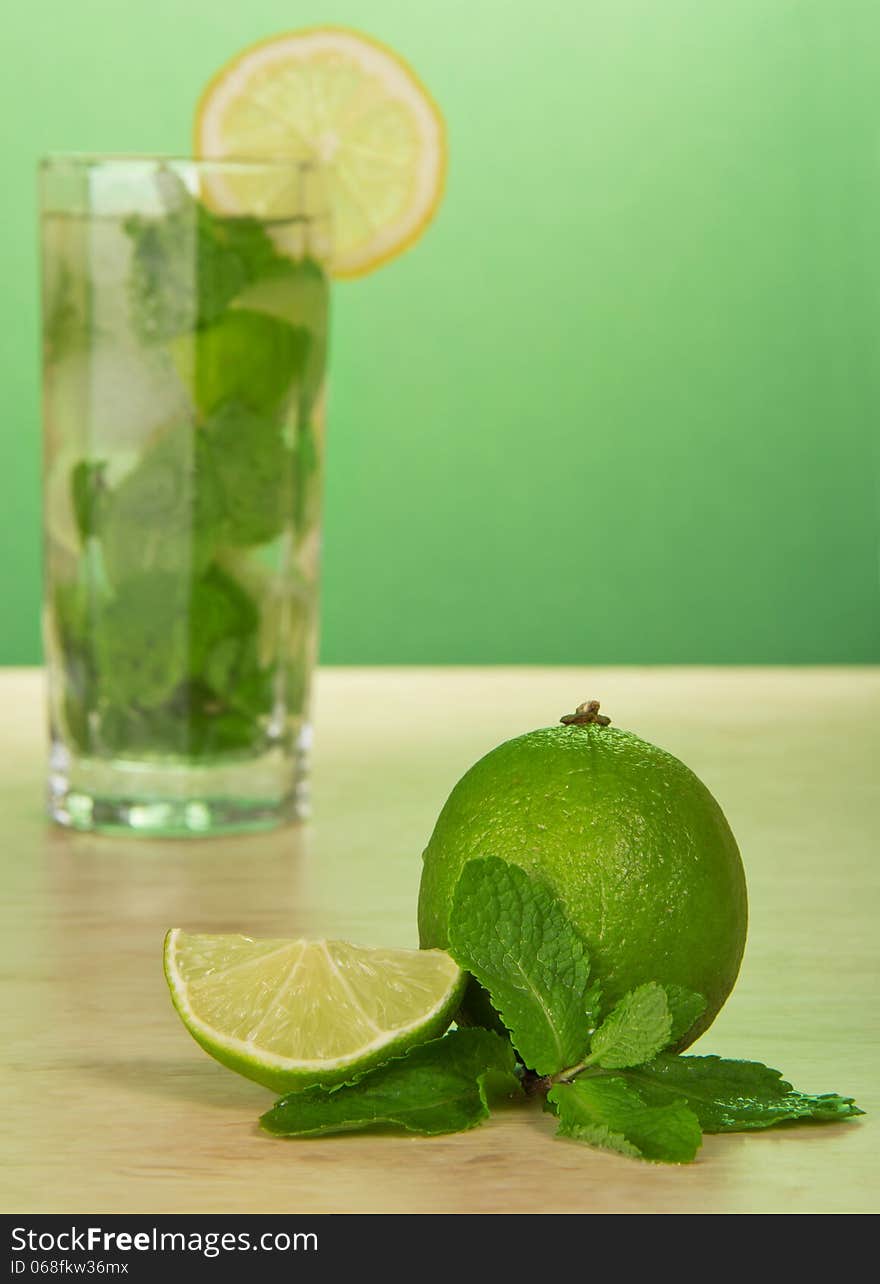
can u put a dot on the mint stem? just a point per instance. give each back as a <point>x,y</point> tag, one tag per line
<point>533,1084</point>
<point>572,1072</point>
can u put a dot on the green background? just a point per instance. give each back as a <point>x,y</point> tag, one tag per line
<point>620,405</point>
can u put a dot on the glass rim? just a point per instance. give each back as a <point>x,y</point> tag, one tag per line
<point>86,160</point>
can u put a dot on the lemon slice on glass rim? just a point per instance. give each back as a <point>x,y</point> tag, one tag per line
<point>341,100</point>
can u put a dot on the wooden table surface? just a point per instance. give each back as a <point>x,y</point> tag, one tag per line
<point>110,1107</point>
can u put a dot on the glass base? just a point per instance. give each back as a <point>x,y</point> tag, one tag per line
<point>174,799</point>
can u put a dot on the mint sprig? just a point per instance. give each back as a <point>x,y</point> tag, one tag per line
<point>622,1090</point>
<point>608,1077</point>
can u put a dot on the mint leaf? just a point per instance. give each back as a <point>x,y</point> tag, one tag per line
<point>609,1112</point>
<point>249,473</point>
<point>686,1007</point>
<point>195,489</point>
<point>140,640</point>
<point>192,721</point>
<point>166,513</point>
<point>220,615</point>
<point>510,931</point>
<point>643,1023</point>
<point>734,1096</point>
<point>246,357</point>
<point>440,1086</point>
<point>635,1030</point>
<point>184,644</point>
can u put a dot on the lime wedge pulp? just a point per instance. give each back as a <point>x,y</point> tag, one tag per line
<point>290,1014</point>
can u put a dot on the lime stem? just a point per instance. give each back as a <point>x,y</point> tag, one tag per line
<point>588,712</point>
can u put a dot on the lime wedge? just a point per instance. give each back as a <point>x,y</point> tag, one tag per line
<point>290,1014</point>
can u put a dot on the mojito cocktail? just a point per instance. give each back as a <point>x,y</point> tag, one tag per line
<point>184,346</point>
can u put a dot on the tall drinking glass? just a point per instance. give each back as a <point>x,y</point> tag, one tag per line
<point>184,340</point>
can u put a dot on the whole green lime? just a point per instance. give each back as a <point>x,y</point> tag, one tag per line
<point>633,843</point>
